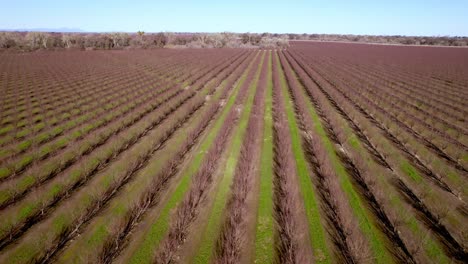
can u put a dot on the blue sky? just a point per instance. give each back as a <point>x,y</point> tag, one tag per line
<point>410,17</point>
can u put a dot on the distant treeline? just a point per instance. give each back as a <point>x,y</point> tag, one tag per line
<point>29,41</point>
<point>396,39</point>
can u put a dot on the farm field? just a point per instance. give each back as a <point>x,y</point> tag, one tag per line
<point>318,153</point>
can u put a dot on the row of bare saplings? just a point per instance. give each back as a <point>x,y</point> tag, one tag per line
<point>104,156</point>
<point>432,114</point>
<point>189,207</point>
<point>424,91</point>
<point>67,101</point>
<point>423,125</point>
<point>408,91</point>
<point>141,77</point>
<point>115,242</point>
<point>66,158</point>
<point>353,162</point>
<point>352,244</point>
<point>444,146</point>
<point>148,95</point>
<point>441,93</point>
<point>234,230</point>
<point>79,123</point>
<point>78,111</point>
<point>430,165</point>
<point>289,248</point>
<point>63,97</point>
<point>121,227</point>
<point>64,79</point>
<point>413,243</point>
<point>84,213</point>
<point>447,86</point>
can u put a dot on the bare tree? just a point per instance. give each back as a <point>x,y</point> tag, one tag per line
<point>67,40</point>
<point>8,40</point>
<point>37,39</point>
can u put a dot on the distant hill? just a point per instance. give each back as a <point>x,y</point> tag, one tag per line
<point>62,30</point>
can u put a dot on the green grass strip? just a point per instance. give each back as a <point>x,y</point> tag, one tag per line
<point>365,219</point>
<point>159,228</point>
<point>213,227</point>
<point>308,192</point>
<point>264,234</point>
